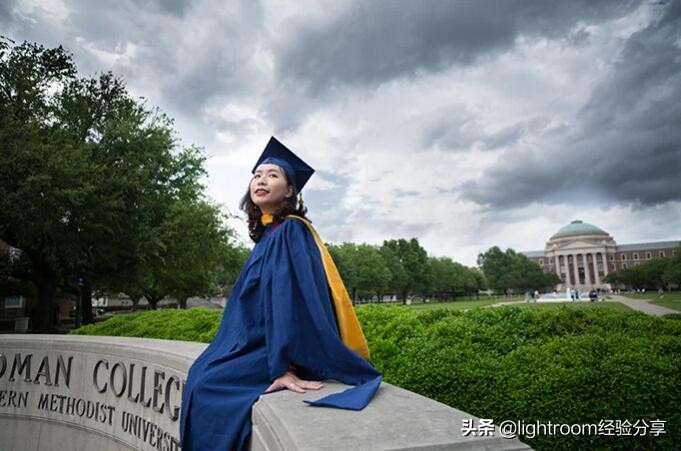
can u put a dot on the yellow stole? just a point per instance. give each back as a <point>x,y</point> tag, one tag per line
<point>348,325</point>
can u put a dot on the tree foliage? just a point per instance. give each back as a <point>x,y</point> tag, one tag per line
<point>511,270</point>
<point>570,365</point>
<point>403,268</point>
<point>413,260</point>
<point>651,274</point>
<point>362,268</point>
<point>96,187</point>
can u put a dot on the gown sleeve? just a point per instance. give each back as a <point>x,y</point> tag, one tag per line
<point>300,325</point>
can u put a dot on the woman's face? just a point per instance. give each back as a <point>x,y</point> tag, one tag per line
<point>269,187</point>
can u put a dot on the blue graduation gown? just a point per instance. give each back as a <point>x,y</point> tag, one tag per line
<point>278,315</point>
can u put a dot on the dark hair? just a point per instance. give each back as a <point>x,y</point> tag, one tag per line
<point>287,207</point>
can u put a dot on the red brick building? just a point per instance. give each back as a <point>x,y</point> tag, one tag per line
<point>583,254</point>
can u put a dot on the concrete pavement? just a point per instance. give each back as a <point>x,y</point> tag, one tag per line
<point>643,306</point>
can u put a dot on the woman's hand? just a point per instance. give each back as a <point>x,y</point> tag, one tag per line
<point>291,382</point>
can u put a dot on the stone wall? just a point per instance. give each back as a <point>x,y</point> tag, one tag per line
<point>114,394</point>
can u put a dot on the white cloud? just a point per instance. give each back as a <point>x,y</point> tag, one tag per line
<point>393,154</point>
<point>38,10</point>
<point>123,54</point>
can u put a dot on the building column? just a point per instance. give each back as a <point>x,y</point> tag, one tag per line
<point>575,268</point>
<point>596,276</point>
<point>606,263</point>
<point>587,272</point>
<point>556,263</point>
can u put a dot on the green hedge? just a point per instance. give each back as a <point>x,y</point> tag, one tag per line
<point>197,324</point>
<point>565,365</point>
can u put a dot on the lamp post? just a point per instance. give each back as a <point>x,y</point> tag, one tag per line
<point>79,312</point>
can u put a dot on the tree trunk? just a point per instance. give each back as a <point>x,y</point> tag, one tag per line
<point>153,302</point>
<point>45,279</point>
<point>86,303</point>
<point>42,314</point>
<point>182,303</point>
<point>135,299</point>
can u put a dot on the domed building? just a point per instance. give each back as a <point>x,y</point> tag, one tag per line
<point>583,254</point>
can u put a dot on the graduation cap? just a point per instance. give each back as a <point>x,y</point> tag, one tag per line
<point>297,171</point>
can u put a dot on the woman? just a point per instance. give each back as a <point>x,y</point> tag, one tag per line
<point>288,322</point>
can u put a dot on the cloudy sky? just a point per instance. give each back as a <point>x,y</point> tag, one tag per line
<point>465,124</point>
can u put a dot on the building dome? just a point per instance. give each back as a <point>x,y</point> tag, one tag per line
<point>578,227</point>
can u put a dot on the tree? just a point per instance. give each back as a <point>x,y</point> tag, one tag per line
<point>449,279</point>
<point>341,255</point>
<point>373,273</point>
<point>672,275</point>
<point>652,274</point>
<point>198,241</point>
<point>27,159</point>
<point>233,261</point>
<point>414,260</point>
<point>480,280</point>
<point>398,276</point>
<point>510,270</point>
<point>14,276</point>
<point>362,268</point>
<point>90,178</point>
<point>498,268</point>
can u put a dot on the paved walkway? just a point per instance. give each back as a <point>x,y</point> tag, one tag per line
<point>501,304</point>
<point>643,306</point>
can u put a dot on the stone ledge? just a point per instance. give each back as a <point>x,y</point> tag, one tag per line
<point>396,419</point>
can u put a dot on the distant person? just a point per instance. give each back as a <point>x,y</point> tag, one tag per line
<point>660,293</point>
<point>572,294</point>
<point>593,295</point>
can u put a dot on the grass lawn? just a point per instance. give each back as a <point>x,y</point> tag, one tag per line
<point>672,299</point>
<point>577,305</point>
<point>464,303</point>
<point>518,301</point>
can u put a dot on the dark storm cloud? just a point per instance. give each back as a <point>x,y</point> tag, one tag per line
<point>626,144</point>
<point>175,7</point>
<point>190,55</point>
<point>377,40</point>
<point>6,7</point>
<point>457,130</point>
<point>193,59</point>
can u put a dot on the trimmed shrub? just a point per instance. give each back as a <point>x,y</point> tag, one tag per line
<point>197,324</point>
<point>569,365</point>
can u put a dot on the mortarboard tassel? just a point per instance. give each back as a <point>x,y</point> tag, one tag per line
<point>300,201</point>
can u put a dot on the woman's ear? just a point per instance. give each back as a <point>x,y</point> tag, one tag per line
<point>289,191</point>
